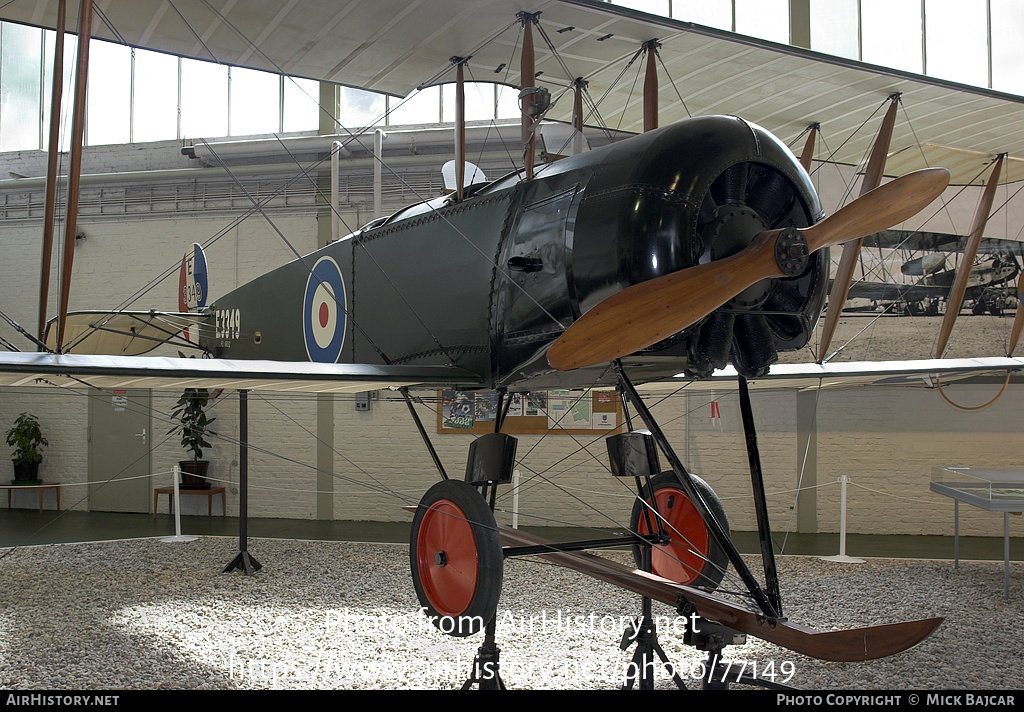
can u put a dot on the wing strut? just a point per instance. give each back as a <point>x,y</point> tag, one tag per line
<point>851,250</point>
<point>527,72</point>
<point>808,153</point>
<point>963,273</point>
<point>75,170</point>
<point>1018,319</point>
<point>460,126</point>
<point>651,86</point>
<point>50,206</point>
<point>578,85</point>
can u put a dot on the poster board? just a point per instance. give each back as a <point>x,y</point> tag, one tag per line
<point>580,412</point>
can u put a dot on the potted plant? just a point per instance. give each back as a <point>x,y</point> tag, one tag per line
<point>193,425</point>
<point>27,440</point>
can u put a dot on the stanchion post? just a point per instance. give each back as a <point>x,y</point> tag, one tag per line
<point>243,561</point>
<point>843,480</point>
<point>177,513</point>
<point>515,499</point>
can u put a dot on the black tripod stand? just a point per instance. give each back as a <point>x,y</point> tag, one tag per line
<point>718,673</point>
<point>485,665</point>
<point>644,632</point>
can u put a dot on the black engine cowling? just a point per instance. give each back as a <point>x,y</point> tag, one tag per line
<point>693,192</point>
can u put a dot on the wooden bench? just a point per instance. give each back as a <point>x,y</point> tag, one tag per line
<point>209,492</point>
<point>42,486</point>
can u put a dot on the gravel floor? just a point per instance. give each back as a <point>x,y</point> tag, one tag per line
<point>147,614</point>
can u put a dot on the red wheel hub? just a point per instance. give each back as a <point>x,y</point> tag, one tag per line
<point>447,558</point>
<point>682,559</point>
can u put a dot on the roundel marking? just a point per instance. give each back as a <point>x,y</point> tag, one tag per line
<point>323,312</point>
<point>192,280</point>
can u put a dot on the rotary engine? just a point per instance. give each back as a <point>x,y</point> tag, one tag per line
<point>775,314</point>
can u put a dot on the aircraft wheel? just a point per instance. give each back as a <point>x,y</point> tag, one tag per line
<point>693,557</point>
<point>456,558</point>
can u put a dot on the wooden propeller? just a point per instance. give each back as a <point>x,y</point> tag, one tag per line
<point>646,313</point>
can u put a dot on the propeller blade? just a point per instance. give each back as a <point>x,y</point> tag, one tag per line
<point>646,313</point>
<point>887,205</point>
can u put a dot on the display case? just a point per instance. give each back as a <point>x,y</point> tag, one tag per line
<point>993,490</point>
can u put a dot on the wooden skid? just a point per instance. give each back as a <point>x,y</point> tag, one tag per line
<point>849,645</point>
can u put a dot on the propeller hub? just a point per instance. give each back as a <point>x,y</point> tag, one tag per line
<point>792,252</point>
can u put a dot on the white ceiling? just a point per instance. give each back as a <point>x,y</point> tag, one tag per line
<point>394,46</point>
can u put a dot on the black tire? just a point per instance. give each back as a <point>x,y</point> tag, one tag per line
<point>456,558</point>
<point>693,557</point>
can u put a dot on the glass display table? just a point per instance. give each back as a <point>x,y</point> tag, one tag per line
<point>990,489</point>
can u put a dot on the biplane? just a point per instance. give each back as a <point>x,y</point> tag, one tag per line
<point>927,269</point>
<point>695,246</point>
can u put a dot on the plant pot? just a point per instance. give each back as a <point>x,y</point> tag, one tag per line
<point>193,474</point>
<point>26,473</point>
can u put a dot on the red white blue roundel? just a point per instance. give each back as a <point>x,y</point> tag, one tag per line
<point>192,280</point>
<point>323,312</point>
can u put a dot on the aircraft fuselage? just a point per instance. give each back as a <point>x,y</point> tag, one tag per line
<point>490,281</point>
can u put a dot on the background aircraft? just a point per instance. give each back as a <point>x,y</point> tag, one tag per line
<point>926,270</point>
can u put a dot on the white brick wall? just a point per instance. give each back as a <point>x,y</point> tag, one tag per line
<point>885,440</point>
<point>63,419</point>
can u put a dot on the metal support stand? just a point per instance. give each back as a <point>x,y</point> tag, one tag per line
<point>485,665</point>
<point>641,669</point>
<point>644,632</point>
<point>638,457</point>
<point>713,638</point>
<point>719,673</point>
<point>243,560</point>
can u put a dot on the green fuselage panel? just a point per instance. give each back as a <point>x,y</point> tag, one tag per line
<point>413,290</point>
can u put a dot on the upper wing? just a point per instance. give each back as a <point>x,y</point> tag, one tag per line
<point>395,46</point>
<point>117,372</point>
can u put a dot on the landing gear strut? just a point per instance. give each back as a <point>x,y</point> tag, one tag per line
<point>678,529</point>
